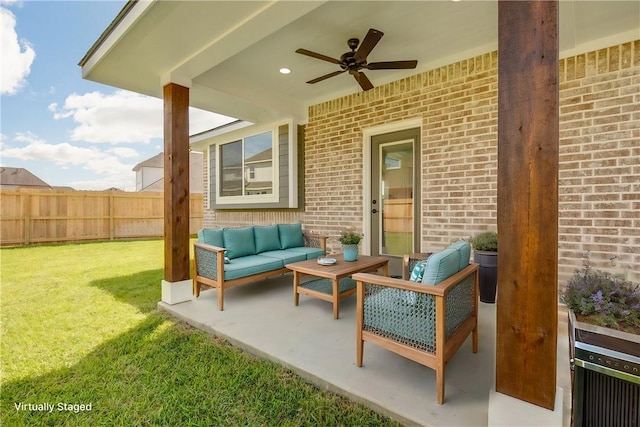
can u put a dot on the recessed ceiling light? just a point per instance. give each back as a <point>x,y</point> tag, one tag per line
<point>285,70</point>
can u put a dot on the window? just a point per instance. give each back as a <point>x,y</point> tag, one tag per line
<point>246,166</point>
<point>254,168</point>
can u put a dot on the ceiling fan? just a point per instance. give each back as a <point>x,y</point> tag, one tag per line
<point>356,60</point>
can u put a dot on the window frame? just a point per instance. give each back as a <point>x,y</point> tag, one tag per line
<point>275,170</point>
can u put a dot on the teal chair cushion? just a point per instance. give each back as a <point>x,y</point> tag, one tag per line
<point>266,237</point>
<point>440,266</point>
<point>290,235</point>
<point>211,236</point>
<point>239,242</point>
<point>464,250</point>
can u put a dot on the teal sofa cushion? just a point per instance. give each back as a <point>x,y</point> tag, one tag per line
<point>310,253</point>
<point>440,266</point>
<point>464,250</point>
<point>266,238</point>
<point>286,255</point>
<point>250,265</point>
<point>211,236</point>
<point>290,235</point>
<point>239,242</point>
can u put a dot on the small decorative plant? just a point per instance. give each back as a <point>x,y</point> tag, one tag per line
<point>349,237</point>
<point>600,298</point>
<point>486,241</point>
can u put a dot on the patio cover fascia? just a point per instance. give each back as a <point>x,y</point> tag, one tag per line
<point>171,71</point>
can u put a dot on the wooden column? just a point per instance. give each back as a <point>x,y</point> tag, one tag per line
<point>528,136</point>
<point>176,183</point>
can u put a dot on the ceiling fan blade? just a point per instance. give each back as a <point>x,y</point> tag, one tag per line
<point>392,65</point>
<point>363,81</point>
<point>326,76</point>
<point>318,56</point>
<point>370,41</point>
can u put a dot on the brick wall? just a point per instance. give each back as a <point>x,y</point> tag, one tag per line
<point>599,155</point>
<point>600,159</point>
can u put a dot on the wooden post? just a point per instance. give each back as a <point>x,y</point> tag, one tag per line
<point>528,136</point>
<point>27,217</point>
<point>176,182</point>
<point>112,213</point>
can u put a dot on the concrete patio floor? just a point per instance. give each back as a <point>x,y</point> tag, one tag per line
<point>262,319</point>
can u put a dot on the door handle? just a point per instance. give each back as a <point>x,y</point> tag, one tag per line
<point>374,210</point>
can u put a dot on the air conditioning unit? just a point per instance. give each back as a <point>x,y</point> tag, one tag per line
<point>606,386</point>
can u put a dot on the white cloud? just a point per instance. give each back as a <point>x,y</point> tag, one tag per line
<point>106,164</point>
<point>124,152</point>
<point>123,117</point>
<point>17,55</point>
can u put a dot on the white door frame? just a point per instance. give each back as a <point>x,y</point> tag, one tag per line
<point>367,134</point>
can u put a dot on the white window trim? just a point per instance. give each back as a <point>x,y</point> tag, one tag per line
<point>275,179</point>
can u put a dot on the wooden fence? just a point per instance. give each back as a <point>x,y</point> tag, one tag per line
<point>44,216</point>
<point>398,215</point>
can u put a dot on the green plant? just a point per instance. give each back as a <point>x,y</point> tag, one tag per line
<point>349,237</point>
<point>603,299</point>
<point>485,241</point>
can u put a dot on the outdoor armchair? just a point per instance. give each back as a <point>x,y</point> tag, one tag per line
<point>424,322</point>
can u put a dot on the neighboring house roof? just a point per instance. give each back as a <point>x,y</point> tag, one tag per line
<point>196,172</point>
<point>259,185</point>
<point>20,177</point>
<point>260,157</point>
<point>156,161</point>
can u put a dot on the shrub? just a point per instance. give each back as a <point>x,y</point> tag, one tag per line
<point>604,299</point>
<point>486,241</point>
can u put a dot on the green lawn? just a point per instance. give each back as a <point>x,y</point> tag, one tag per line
<point>80,327</point>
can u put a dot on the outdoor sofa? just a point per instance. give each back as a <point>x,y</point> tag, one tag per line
<point>425,321</point>
<point>227,257</point>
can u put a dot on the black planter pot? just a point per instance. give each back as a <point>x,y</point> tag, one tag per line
<point>488,274</point>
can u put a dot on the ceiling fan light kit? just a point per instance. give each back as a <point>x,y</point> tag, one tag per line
<point>356,60</point>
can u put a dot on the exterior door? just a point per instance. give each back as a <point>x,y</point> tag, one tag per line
<point>395,193</point>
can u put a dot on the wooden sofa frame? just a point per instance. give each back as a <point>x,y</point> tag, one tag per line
<point>445,347</point>
<point>221,284</point>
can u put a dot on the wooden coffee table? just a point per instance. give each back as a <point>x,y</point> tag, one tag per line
<point>333,283</point>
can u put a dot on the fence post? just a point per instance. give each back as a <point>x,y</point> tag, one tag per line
<point>112,227</point>
<point>27,217</point>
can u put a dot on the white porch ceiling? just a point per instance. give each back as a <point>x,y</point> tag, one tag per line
<point>229,52</point>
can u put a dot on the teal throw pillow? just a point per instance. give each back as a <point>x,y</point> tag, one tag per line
<point>418,271</point>
<point>239,242</point>
<point>290,235</point>
<point>441,266</point>
<point>464,250</point>
<point>267,238</point>
<point>211,236</point>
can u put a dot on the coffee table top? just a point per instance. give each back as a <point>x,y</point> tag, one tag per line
<point>341,268</point>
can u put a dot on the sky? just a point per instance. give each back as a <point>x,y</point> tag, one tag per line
<point>65,130</point>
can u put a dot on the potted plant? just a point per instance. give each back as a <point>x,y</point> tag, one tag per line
<point>485,253</point>
<point>350,240</point>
